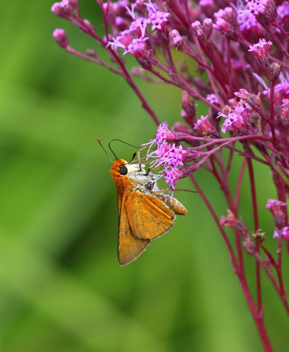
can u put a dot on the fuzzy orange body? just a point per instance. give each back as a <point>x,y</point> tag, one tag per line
<point>143,214</point>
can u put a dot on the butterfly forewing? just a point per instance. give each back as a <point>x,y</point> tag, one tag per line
<point>129,247</point>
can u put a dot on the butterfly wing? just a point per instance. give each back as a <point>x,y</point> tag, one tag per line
<point>148,216</point>
<point>129,246</point>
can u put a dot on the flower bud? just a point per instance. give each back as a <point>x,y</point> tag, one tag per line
<point>203,126</point>
<point>61,38</point>
<point>275,206</point>
<point>92,53</point>
<point>249,247</point>
<point>273,72</point>
<point>176,38</point>
<point>208,27</point>
<point>180,127</point>
<point>226,23</point>
<point>63,9</point>
<point>189,111</point>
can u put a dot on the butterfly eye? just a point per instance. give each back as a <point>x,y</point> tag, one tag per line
<point>123,170</point>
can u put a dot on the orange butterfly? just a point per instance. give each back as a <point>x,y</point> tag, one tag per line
<point>143,214</point>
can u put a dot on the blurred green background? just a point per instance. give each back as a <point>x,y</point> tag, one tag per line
<point>62,288</point>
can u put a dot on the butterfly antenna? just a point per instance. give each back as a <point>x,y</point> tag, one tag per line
<point>119,140</point>
<point>134,154</point>
<point>99,141</point>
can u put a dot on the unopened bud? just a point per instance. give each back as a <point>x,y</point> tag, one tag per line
<point>88,28</point>
<point>208,27</point>
<point>249,247</point>
<point>188,106</point>
<point>61,38</point>
<point>274,72</point>
<point>92,53</point>
<point>198,29</point>
<point>176,38</point>
<point>180,127</point>
<point>254,101</point>
<point>226,23</point>
<point>208,7</point>
<point>63,9</point>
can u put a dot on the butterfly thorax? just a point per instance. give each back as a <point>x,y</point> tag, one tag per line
<point>135,179</point>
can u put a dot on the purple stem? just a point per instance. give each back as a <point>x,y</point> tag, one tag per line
<point>238,187</point>
<point>256,222</point>
<point>258,317</point>
<point>229,64</point>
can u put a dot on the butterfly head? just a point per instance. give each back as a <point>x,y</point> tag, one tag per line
<point>119,170</point>
<point>123,173</point>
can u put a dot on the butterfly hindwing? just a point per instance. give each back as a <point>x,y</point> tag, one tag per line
<point>148,216</point>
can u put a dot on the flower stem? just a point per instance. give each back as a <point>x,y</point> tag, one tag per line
<point>256,222</point>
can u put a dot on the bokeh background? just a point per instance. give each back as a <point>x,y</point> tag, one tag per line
<point>62,288</point>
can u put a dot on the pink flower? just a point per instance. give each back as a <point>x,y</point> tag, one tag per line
<point>275,206</point>
<point>163,134</point>
<point>242,94</point>
<point>173,176</point>
<point>247,20</point>
<point>265,10</point>
<point>169,155</point>
<point>137,47</point>
<point>275,234</point>
<point>235,120</point>
<point>158,19</point>
<point>283,11</point>
<point>284,234</point>
<point>285,111</point>
<point>212,99</point>
<point>229,221</point>
<point>122,41</point>
<point>203,126</point>
<point>139,26</point>
<point>261,49</point>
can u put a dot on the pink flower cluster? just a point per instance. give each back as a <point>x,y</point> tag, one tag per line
<point>132,39</point>
<point>168,156</point>
<point>232,72</point>
<point>228,43</point>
